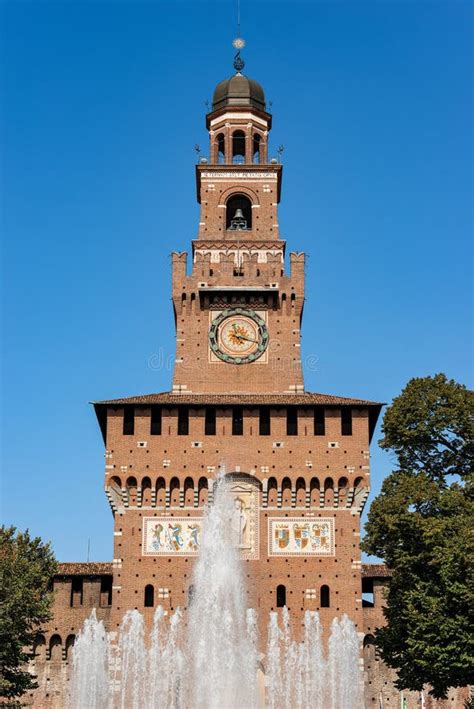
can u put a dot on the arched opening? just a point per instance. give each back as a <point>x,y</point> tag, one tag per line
<point>238,204</point>
<point>70,640</point>
<point>328,492</point>
<point>272,499</point>
<point>369,650</point>
<point>115,485</point>
<point>281,596</point>
<point>314,492</point>
<point>160,492</point>
<point>174,492</point>
<point>149,596</point>
<point>300,492</point>
<point>189,492</point>
<point>39,648</point>
<point>256,158</point>
<point>343,487</point>
<point>55,649</point>
<point>131,486</point>
<point>203,492</point>
<point>359,491</point>
<point>324,597</point>
<point>238,147</point>
<point>146,492</point>
<point>220,143</point>
<point>286,492</point>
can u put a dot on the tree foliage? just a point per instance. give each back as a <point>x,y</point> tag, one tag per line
<point>421,524</point>
<point>26,568</point>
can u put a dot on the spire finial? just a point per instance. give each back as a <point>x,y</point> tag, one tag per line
<point>239,63</point>
<point>238,44</point>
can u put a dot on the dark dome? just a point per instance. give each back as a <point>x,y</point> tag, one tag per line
<point>238,91</point>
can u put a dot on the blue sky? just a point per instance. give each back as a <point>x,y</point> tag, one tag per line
<point>102,104</point>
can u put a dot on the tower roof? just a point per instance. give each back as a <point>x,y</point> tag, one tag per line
<point>238,90</point>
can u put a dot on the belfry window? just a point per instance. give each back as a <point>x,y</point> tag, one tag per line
<point>238,147</point>
<point>281,596</point>
<point>220,141</point>
<point>238,213</point>
<point>256,148</point>
<point>324,597</point>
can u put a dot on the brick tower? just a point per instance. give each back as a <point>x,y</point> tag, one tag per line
<point>298,462</point>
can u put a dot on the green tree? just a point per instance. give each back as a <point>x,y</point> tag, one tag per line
<point>421,525</point>
<point>26,568</point>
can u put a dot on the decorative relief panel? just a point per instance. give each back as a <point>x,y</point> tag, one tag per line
<point>181,536</point>
<point>171,536</point>
<point>300,536</point>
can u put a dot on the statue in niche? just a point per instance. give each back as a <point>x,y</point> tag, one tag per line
<point>238,522</point>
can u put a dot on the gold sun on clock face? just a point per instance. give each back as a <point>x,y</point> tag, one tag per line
<point>238,336</point>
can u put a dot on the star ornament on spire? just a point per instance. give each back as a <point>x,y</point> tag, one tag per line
<point>239,63</point>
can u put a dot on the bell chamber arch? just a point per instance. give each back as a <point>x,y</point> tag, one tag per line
<point>238,216</point>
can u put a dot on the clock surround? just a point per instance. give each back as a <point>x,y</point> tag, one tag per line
<point>238,336</point>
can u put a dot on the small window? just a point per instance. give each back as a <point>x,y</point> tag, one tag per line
<point>210,422</point>
<point>281,596</point>
<point>292,421</point>
<point>324,597</point>
<point>77,586</point>
<point>346,421</point>
<point>106,591</point>
<point>368,597</point>
<point>319,421</point>
<point>149,599</point>
<point>237,421</point>
<point>264,422</point>
<point>155,422</point>
<point>183,421</point>
<point>128,421</point>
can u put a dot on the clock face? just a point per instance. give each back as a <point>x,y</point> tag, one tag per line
<point>238,336</point>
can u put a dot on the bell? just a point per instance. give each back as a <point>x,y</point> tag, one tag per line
<point>238,223</point>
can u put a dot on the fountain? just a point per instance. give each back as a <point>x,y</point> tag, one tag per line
<point>211,661</point>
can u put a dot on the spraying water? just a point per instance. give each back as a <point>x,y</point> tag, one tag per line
<point>211,661</point>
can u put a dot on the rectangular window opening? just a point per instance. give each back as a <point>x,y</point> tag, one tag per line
<point>210,422</point>
<point>264,421</point>
<point>292,421</point>
<point>76,591</point>
<point>319,421</point>
<point>155,421</point>
<point>128,421</point>
<point>106,591</point>
<point>237,421</point>
<point>183,421</point>
<point>346,421</point>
